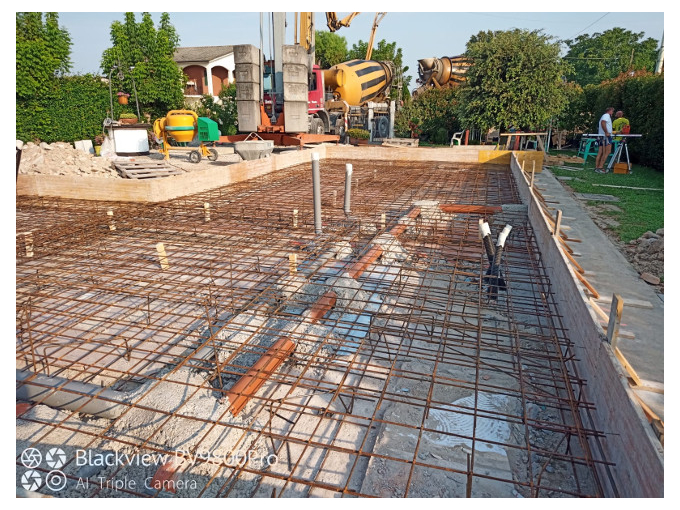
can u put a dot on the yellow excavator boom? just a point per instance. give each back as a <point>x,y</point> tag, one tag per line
<point>335,24</point>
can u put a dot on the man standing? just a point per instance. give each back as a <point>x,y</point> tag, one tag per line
<point>619,125</point>
<point>604,140</point>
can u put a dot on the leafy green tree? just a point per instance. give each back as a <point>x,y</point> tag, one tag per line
<point>603,56</point>
<point>515,79</point>
<point>575,115</point>
<point>386,51</point>
<point>223,111</point>
<point>331,49</point>
<point>145,53</point>
<point>433,113</point>
<point>42,53</point>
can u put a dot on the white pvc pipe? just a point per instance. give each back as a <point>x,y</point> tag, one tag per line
<point>503,235</point>
<point>486,231</point>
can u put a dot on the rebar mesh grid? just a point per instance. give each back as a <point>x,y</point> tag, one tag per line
<point>415,382</point>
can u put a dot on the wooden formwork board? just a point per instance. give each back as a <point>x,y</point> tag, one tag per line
<point>174,186</point>
<point>631,444</point>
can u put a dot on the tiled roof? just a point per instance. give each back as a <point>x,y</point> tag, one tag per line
<point>201,53</point>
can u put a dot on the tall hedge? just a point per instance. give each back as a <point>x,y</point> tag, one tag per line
<point>74,109</point>
<point>641,99</point>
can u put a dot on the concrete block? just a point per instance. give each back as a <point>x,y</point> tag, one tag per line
<point>295,116</point>
<point>295,73</point>
<point>248,115</point>
<point>247,73</point>
<point>295,92</point>
<point>294,54</point>
<point>84,145</point>
<point>246,54</point>
<point>247,91</point>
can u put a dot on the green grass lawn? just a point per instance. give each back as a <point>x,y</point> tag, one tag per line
<point>642,210</point>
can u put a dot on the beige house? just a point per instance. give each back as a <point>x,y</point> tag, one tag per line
<point>208,68</point>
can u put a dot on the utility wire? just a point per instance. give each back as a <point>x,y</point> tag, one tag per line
<point>598,19</point>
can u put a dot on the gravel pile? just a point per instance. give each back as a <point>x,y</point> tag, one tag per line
<point>646,254</point>
<point>61,158</point>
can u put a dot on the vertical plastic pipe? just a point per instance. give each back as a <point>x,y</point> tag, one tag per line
<point>488,243</point>
<point>496,278</point>
<point>316,184</point>
<point>348,187</point>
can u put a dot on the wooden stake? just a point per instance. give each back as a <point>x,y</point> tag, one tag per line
<point>558,221</point>
<point>587,284</point>
<point>627,367</point>
<point>533,171</point>
<point>206,211</point>
<point>614,320</point>
<point>112,224</point>
<point>162,256</point>
<point>383,219</point>
<point>292,263</point>
<point>295,218</point>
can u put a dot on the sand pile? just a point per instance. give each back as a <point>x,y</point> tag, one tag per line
<point>60,158</point>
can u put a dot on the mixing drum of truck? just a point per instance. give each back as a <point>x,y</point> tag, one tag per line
<point>441,72</point>
<point>359,91</point>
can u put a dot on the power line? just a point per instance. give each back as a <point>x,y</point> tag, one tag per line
<point>598,19</point>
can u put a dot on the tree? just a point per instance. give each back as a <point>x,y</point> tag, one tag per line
<point>42,53</point>
<point>223,111</point>
<point>142,52</point>
<point>515,79</point>
<point>389,52</point>
<point>575,115</point>
<point>434,112</point>
<point>331,49</point>
<point>603,56</point>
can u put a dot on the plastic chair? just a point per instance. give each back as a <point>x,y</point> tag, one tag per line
<point>457,137</point>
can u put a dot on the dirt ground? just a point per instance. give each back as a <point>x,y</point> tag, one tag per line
<point>646,253</point>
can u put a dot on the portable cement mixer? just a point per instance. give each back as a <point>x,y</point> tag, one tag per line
<point>181,126</point>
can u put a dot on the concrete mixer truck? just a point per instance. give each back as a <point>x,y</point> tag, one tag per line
<point>301,98</point>
<point>357,97</point>
<point>441,72</point>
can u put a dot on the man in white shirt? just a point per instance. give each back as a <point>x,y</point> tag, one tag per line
<point>604,140</point>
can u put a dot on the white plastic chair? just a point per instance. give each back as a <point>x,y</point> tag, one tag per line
<point>457,137</point>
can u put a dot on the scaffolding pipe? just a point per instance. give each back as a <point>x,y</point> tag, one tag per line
<point>316,184</point>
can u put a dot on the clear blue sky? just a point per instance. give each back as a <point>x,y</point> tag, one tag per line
<point>420,35</point>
